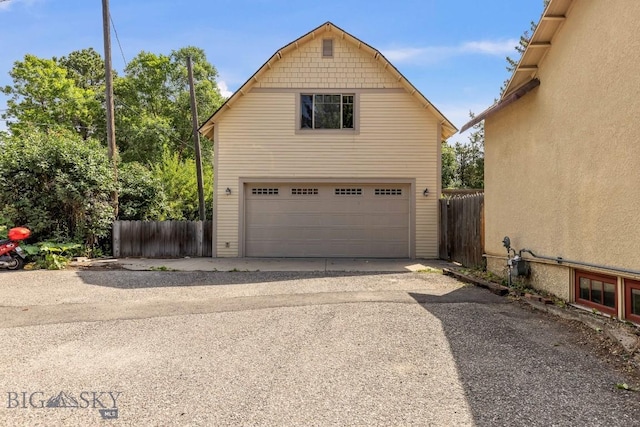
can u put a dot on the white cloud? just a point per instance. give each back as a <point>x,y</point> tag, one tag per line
<point>224,89</point>
<point>402,54</point>
<point>437,53</point>
<point>488,47</point>
<point>6,4</point>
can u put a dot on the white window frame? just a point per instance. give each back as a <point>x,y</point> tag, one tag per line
<point>341,92</point>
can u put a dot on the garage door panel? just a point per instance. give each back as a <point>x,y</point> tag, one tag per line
<point>328,220</point>
<point>336,234</point>
<point>275,206</point>
<point>322,248</point>
<point>385,205</point>
<point>295,219</point>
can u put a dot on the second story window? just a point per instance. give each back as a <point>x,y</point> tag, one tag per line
<point>326,111</point>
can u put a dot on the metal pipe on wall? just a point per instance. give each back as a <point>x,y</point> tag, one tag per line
<point>561,260</point>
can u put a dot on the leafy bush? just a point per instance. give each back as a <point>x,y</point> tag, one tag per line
<point>178,181</point>
<point>141,196</point>
<point>60,186</point>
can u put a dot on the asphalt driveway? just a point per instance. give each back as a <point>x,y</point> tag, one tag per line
<point>288,348</point>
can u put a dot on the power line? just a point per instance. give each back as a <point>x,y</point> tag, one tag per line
<point>118,39</point>
<point>160,130</point>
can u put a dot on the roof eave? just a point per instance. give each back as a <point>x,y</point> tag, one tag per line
<point>525,76</point>
<point>539,44</point>
<point>513,97</point>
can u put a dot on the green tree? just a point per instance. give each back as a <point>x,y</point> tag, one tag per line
<point>470,159</point>
<point>463,164</point>
<point>60,185</point>
<point>44,95</point>
<point>208,95</point>
<point>449,166</point>
<point>154,110</point>
<point>141,196</point>
<point>86,68</point>
<point>178,182</point>
<point>153,117</point>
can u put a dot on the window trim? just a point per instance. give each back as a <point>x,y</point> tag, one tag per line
<point>613,311</point>
<point>342,91</point>
<point>628,286</point>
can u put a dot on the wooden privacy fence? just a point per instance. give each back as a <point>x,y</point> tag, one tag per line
<point>462,229</point>
<point>162,239</point>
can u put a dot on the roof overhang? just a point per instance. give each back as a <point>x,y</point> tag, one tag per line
<point>525,75</point>
<point>207,128</point>
<point>513,96</point>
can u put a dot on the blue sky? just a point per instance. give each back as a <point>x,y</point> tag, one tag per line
<point>453,51</point>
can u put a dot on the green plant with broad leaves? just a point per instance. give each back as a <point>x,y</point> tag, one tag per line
<point>52,256</point>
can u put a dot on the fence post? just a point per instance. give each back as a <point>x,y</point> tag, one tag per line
<point>199,237</point>
<point>116,239</point>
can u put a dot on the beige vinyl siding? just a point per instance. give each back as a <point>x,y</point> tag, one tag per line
<point>397,139</point>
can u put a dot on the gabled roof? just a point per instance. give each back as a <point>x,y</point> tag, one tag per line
<point>207,127</point>
<point>525,76</point>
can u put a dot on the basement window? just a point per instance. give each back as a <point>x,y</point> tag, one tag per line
<point>597,291</point>
<point>327,111</point>
<point>632,300</point>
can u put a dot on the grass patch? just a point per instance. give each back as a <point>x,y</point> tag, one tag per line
<point>162,268</point>
<point>430,270</point>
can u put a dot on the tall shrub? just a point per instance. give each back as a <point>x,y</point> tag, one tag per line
<point>58,185</point>
<point>179,183</point>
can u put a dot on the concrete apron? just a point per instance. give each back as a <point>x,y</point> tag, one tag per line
<point>269,264</point>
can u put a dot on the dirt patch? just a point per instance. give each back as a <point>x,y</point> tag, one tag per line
<point>609,350</point>
<point>614,342</point>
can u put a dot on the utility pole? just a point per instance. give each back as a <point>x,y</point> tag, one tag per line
<point>196,139</point>
<point>111,127</point>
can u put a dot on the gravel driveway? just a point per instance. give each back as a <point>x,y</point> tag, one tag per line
<point>167,348</point>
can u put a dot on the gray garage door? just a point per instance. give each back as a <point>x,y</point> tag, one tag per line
<point>337,220</point>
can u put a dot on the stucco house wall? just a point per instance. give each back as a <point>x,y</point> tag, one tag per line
<point>258,138</point>
<point>562,164</point>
